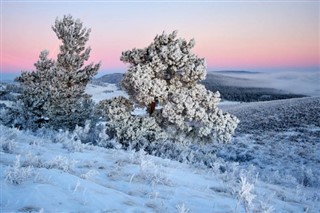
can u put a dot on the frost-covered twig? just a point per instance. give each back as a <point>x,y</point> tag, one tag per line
<point>182,208</point>
<point>245,193</point>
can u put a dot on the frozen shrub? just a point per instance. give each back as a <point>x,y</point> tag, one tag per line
<point>17,174</point>
<point>89,175</point>
<point>149,171</point>
<point>308,177</point>
<point>81,137</point>
<point>168,72</point>
<point>8,139</point>
<point>33,161</point>
<point>245,193</point>
<point>61,163</point>
<point>8,146</point>
<point>104,140</point>
<point>131,131</point>
<point>54,94</point>
<point>73,145</point>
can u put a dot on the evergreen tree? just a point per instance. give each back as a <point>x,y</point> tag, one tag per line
<point>167,71</point>
<point>54,94</point>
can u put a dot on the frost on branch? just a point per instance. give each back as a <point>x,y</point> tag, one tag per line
<point>168,71</point>
<point>54,94</point>
<point>129,130</point>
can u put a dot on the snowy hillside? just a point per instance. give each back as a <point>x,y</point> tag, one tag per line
<point>279,140</point>
<point>269,167</point>
<point>60,175</point>
<point>104,91</point>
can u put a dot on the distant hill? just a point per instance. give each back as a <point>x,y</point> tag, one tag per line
<point>230,88</point>
<point>113,78</point>
<point>278,115</point>
<point>235,72</point>
<point>243,90</point>
<point>223,80</point>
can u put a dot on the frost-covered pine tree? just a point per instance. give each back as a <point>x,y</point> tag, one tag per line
<point>54,94</point>
<point>35,98</point>
<point>169,72</point>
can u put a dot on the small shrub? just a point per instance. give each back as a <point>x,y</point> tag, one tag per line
<point>17,174</point>
<point>150,172</point>
<point>90,174</point>
<point>61,163</point>
<point>9,146</point>
<point>33,161</point>
<point>245,193</point>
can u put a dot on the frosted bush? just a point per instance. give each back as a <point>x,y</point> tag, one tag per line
<point>61,163</point>
<point>167,72</point>
<point>308,177</point>
<point>90,174</point>
<point>17,174</point>
<point>54,94</point>
<point>76,140</point>
<point>150,172</point>
<point>8,138</point>
<point>129,130</point>
<point>104,139</point>
<point>74,146</point>
<point>61,137</point>
<point>8,146</point>
<point>83,133</point>
<point>81,138</point>
<point>33,161</point>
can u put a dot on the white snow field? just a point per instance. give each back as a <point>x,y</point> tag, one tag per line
<point>266,168</point>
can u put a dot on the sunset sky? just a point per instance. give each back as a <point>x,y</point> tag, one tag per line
<point>230,35</point>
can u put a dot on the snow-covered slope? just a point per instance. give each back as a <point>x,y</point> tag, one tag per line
<point>54,173</point>
<point>61,175</point>
<point>104,91</point>
<point>277,115</point>
<point>261,170</point>
<point>280,138</point>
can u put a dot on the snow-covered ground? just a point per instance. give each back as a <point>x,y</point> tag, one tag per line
<point>266,168</point>
<point>101,92</point>
<point>38,174</point>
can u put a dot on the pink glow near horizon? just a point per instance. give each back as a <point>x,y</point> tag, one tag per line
<point>237,35</point>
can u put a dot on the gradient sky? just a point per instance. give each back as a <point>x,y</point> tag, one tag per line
<point>230,35</point>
